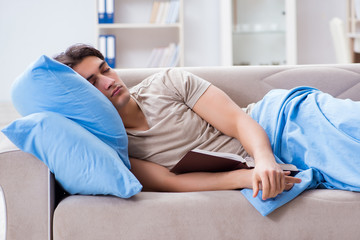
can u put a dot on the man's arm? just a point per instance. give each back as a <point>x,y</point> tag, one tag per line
<point>154,177</point>
<point>220,111</point>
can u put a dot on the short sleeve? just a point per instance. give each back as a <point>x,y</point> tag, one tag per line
<point>186,85</point>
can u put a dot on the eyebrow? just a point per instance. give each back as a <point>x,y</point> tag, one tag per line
<point>100,66</point>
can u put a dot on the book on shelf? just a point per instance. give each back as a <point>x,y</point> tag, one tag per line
<point>173,15</point>
<point>198,160</point>
<point>106,11</point>
<point>165,12</point>
<point>107,46</point>
<point>164,56</point>
<point>154,11</point>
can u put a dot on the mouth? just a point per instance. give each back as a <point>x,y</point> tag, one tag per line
<point>116,91</point>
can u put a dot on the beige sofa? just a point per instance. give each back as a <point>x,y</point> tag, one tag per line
<point>37,210</point>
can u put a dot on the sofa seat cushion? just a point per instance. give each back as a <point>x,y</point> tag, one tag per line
<point>206,215</point>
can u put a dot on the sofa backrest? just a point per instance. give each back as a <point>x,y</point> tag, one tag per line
<point>248,84</point>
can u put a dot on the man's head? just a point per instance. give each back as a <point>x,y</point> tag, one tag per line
<point>76,53</point>
<point>90,64</point>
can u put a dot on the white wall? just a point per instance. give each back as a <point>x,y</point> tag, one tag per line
<point>314,42</point>
<point>201,32</point>
<point>30,28</point>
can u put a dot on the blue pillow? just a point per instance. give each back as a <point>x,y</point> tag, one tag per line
<point>81,163</point>
<point>48,85</point>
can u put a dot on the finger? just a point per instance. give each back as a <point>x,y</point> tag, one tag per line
<point>265,187</point>
<point>280,186</point>
<point>274,184</point>
<point>255,184</point>
<point>282,182</point>
<point>289,179</point>
<point>288,186</point>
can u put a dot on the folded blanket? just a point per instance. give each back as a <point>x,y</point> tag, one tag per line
<point>316,132</point>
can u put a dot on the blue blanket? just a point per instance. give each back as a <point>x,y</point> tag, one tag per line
<point>316,132</point>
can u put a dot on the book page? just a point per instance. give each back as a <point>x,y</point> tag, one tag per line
<point>232,156</point>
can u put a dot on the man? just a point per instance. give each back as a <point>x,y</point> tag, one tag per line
<point>181,99</point>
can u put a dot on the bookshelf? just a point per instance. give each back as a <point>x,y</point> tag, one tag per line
<point>145,37</point>
<point>258,32</point>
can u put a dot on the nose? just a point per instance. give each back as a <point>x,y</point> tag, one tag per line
<point>107,82</point>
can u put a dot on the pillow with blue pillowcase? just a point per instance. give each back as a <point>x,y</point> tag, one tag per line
<point>73,128</point>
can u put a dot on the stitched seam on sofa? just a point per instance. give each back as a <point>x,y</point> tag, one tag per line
<point>320,67</point>
<point>340,201</point>
<point>9,151</point>
<point>348,88</point>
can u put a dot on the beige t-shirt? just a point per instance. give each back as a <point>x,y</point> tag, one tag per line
<point>167,99</point>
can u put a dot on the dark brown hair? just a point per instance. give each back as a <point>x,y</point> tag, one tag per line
<point>76,53</point>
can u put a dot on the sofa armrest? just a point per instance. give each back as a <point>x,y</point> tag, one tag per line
<point>28,187</point>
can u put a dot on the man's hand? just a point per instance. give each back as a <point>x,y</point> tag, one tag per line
<point>271,179</point>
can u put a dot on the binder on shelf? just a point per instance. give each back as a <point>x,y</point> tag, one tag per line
<point>107,48</point>
<point>101,11</point>
<point>102,45</point>
<point>106,11</point>
<point>110,50</point>
<point>109,11</point>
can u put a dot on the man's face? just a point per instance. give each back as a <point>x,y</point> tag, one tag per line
<point>105,79</point>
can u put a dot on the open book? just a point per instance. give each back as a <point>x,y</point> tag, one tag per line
<point>198,160</point>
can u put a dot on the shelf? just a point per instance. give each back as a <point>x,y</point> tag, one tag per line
<point>260,32</point>
<point>135,25</point>
<point>354,20</point>
<point>257,32</point>
<point>138,34</point>
<point>354,35</point>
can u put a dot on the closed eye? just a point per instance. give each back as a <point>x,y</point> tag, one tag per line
<point>92,80</point>
<point>107,70</point>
